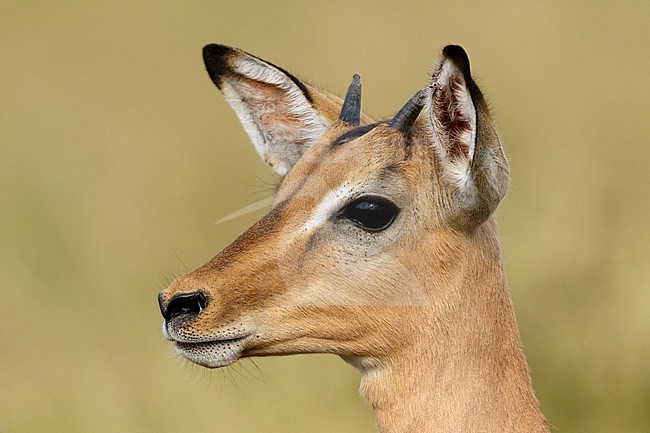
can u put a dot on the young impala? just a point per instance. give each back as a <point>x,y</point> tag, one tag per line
<point>380,247</point>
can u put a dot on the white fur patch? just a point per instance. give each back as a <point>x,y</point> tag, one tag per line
<point>332,202</point>
<point>466,106</point>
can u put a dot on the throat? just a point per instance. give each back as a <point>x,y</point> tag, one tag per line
<point>429,392</point>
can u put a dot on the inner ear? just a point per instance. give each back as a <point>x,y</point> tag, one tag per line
<point>452,112</point>
<point>467,149</point>
<point>274,107</point>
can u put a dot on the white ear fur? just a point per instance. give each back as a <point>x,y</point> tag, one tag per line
<point>452,121</point>
<point>468,150</point>
<point>274,110</point>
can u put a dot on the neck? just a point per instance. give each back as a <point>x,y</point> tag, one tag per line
<point>465,370</point>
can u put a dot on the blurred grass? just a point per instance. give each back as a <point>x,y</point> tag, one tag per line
<point>117,155</point>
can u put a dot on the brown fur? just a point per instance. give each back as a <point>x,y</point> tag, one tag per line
<point>421,309</point>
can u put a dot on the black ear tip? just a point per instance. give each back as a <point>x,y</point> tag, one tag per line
<point>215,57</point>
<point>216,51</point>
<point>457,54</point>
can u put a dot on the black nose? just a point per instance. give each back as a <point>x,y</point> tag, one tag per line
<point>182,304</point>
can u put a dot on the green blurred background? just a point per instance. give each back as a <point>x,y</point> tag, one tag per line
<point>117,156</point>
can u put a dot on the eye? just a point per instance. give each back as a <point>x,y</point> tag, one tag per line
<point>371,213</point>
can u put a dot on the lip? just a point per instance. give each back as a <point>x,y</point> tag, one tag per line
<point>213,353</point>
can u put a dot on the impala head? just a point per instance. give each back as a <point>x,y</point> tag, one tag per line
<point>372,220</point>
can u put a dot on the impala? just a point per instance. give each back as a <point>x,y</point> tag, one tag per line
<point>381,247</point>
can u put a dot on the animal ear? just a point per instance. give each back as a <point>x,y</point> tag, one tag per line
<point>278,111</point>
<point>468,150</point>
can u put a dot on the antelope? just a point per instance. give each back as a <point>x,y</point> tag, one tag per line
<point>381,247</point>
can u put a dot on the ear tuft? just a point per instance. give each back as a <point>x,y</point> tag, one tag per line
<point>215,57</point>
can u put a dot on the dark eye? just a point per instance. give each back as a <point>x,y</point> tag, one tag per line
<point>371,213</point>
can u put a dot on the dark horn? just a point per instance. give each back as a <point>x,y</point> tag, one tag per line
<point>407,115</point>
<point>351,110</point>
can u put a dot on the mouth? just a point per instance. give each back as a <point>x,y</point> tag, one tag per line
<point>218,349</point>
<point>212,354</point>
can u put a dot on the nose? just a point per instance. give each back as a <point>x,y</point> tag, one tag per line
<point>182,304</point>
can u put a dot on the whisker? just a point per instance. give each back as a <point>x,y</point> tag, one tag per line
<point>267,186</point>
<point>260,204</point>
<point>262,375</point>
<point>234,381</point>
<point>181,260</point>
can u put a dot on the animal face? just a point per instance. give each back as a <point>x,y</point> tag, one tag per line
<point>372,222</point>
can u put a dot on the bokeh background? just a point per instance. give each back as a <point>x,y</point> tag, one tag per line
<point>117,157</point>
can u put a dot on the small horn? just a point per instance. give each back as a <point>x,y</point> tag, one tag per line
<point>351,110</point>
<point>406,116</point>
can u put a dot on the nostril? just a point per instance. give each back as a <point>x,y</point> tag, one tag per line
<point>184,304</point>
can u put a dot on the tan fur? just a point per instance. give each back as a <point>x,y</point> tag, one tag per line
<point>421,309</point>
